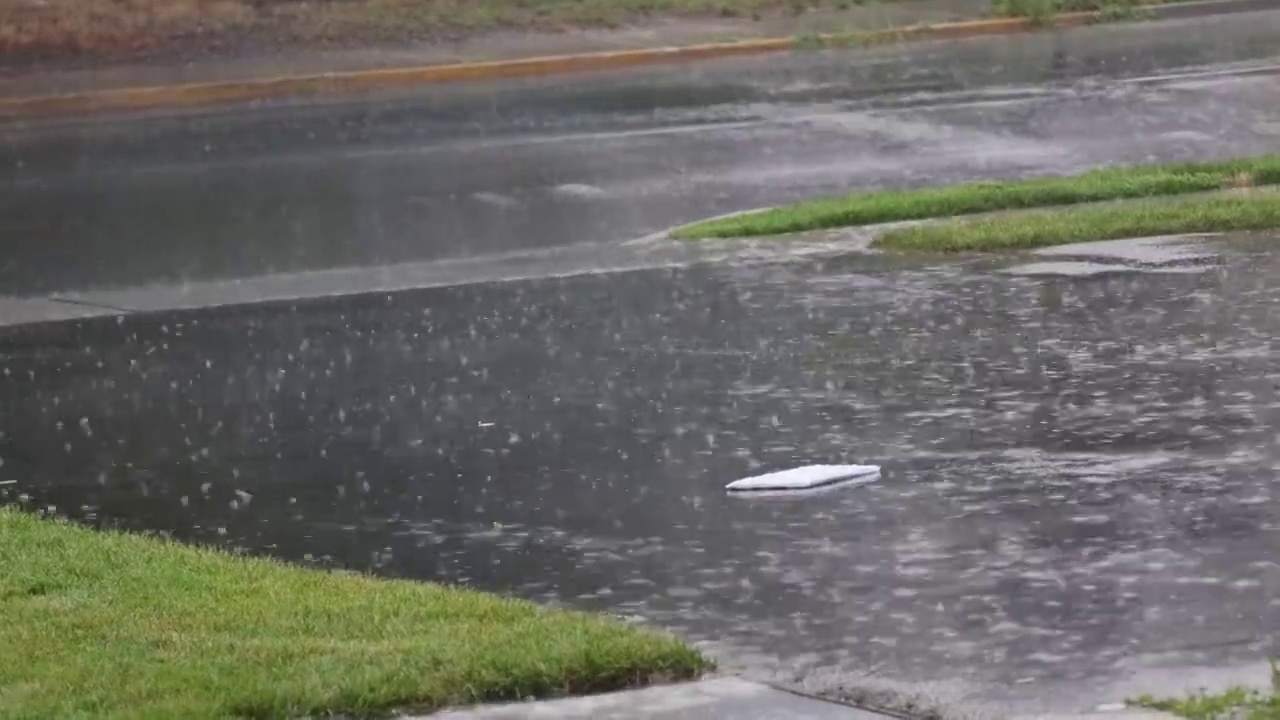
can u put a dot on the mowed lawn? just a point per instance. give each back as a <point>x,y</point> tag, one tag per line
<point>105,624</point>
<point>1235,210</point>
<point>894,205</point>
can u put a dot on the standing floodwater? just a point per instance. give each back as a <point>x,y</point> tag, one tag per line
<point>1078,471</point>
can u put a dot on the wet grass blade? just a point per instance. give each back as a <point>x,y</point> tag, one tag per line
<point>1140,181</point>
<point>1213,212</point>
<point>103,624</point>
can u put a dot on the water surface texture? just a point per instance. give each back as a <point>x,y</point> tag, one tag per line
<point>477,169</point>
<point>1078,471</point>
<point>1079,446</point>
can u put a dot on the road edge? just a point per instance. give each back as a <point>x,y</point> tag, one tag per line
<point>193,95</point>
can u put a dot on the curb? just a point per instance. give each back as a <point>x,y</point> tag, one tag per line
<point>303,86</point>
<point>714,697</point>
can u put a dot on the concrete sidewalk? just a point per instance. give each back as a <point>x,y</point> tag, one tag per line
<point>715,698</point>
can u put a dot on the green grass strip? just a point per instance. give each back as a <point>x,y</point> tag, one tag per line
<point>1237,210</point>
<point>113,625</point>
<point>1139,181</point>
<point>1236,703</point>
<point>1044,10</point>
<point>1233,704</point>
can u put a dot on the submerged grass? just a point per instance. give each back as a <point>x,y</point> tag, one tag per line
<point>1233,210</point>
<point>1139,181</point>
<point>1235,703</point>
<point>99,624</point>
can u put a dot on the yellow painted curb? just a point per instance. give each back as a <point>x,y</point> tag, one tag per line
<point>212,93</point>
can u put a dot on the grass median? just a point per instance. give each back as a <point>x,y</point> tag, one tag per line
<point>1215,212</point>
<point>1119,183</point>
<point>104,624</point>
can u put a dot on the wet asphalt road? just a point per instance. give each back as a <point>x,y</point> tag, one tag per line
<point>470,171</point>
<point>1080,470</point>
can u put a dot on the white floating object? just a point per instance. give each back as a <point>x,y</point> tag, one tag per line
<point>808,477</point>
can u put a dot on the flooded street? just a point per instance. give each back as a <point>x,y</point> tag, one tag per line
<point>1079,471</point>
<point>418,336</point>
